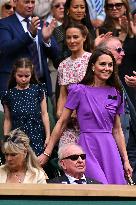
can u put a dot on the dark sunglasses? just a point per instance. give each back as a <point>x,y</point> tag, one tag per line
<point>119,50</point>
<point>13,139</point>
<point>58,5</point>
<point>8,6</point>
<point>75,157</point>
<point>118,6</point>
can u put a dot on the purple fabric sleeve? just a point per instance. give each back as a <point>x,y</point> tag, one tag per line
<point>73,96</point>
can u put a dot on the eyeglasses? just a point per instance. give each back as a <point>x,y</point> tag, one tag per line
<point>8,6</point>
<point>59,5</point>
<point>117,6</point>
<point>13,139</point>
<point>75,157</point>
<point>119,50</point>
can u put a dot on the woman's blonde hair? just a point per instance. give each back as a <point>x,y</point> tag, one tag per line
<point>2,2</point>
<point>18,142</point>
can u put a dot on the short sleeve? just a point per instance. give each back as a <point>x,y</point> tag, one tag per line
<point>61,74</point>
<point>73,98</point>
<point>42,91</point>
<point>120,98</point>
<point>4,97</point>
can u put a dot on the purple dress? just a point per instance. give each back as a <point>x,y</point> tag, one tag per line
<point>96,109</point>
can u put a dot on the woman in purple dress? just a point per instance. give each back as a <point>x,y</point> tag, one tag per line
<point>99,103</point>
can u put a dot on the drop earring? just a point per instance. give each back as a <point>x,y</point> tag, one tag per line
<point>92,67</point>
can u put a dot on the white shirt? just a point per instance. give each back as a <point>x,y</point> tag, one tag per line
<point>24,24</point>
<point>72,179</point>
<point>93,12</point>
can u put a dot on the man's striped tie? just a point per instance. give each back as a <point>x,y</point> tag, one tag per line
<point>98,6</point>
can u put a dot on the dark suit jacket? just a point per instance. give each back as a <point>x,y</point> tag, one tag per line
<point>14,43</point>
<point>131,145</point>
<point>64,179</point>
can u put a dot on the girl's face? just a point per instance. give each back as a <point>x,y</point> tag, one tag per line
<point>77,10</point>
<point>115,8</point>
<point>103,68</point>
<point>23,77</point>
<point>75,39</point>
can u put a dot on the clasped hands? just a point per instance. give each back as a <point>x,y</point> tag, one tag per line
<point>125,26</point>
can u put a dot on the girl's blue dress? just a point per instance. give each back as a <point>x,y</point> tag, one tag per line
<point>25,109</point>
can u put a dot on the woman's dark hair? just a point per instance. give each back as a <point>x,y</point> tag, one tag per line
<point>22,63</point>
<point>89,76</point>
<point>109,22</point>
<point>84,31</point>
<point>85,21</point>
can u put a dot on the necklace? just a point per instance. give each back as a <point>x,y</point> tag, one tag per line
<point>19,178</point>
<point>16,177</point>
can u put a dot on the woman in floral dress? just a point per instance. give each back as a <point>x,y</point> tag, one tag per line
<point>72,70</point>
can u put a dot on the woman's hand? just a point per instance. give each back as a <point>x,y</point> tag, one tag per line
<point>128,169</point>
<point>101,38</point>
<point>131,80</point>
<point>43,159</point>
<point>74,114</point>
<point>133,26</point>
<point>46,141</point>
<point>124,24</point>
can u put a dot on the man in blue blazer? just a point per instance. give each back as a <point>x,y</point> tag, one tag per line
<point>17,35</point>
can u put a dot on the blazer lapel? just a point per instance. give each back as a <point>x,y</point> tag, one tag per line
<point>65,180</point>
<point>19,28</point>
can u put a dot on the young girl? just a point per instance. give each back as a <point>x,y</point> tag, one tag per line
<point>25,106</point>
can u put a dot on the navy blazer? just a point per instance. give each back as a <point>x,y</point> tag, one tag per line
<point>64,180</point>
<point>14,43</point>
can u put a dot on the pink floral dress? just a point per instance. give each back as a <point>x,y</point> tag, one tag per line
<point>72,71</point>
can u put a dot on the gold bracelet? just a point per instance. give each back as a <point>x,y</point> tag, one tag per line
<point>46,154</point>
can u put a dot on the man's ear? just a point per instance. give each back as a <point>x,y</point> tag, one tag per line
<point>62,164</point>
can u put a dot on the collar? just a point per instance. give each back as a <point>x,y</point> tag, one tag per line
<point>21,18</point>
<point>72,179</point>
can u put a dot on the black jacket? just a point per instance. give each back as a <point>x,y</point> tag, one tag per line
<point>64,180</point>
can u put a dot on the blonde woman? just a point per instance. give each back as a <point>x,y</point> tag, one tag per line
<point>21,165</point>
<point>6,8</point>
